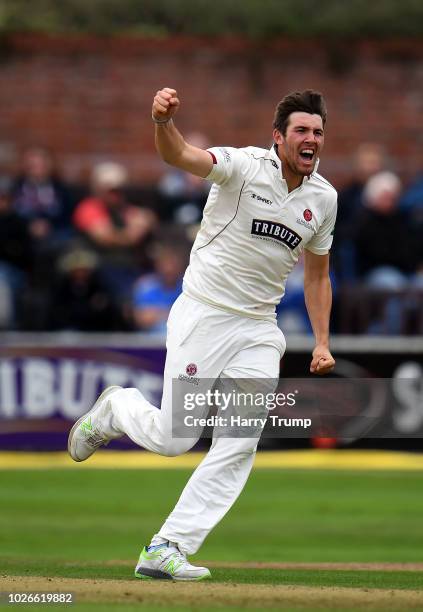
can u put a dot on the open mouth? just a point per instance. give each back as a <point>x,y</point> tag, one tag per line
<point>307,154</point>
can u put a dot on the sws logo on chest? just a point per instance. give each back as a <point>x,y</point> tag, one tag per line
<point>277,231</point>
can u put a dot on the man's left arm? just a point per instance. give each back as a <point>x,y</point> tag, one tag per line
<point>318,299</point>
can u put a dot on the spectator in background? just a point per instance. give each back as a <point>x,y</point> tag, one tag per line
<point>184,195</point>
<point>387,249</point>
<point>155,294</point>
<point>43,200</point>
<point>384,240</point>
<point>117,230</point>
<point>15,257</point>
<point>369,160</point>
<point>79,299</point>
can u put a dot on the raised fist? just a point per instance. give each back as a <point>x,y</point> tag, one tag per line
<point>165,104</point>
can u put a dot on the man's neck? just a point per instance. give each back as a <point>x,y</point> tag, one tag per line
<point>292,180</point>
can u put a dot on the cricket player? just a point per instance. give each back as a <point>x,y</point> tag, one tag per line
<point>265,208</point>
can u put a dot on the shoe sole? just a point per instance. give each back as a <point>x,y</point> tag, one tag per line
<point>100,398</point>
<point>149,574</point>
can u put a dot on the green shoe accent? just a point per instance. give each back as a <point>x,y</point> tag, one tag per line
<point>86,426</point>
<point>149,555</point>
<point>172,566</point>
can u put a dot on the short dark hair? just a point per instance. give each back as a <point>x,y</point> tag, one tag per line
<point>307,101</point>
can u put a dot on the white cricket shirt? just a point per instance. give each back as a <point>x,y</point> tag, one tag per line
<point>253,231</point>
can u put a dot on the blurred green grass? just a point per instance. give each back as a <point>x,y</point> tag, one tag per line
<point>299,516</point>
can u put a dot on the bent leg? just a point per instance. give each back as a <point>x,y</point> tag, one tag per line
<point>145,424</point>
<point>150,427</point>
<point>219,479</point>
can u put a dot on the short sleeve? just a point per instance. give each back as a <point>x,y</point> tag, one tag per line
<point>228,164</point>
<point>321,242</point>
<point>89,214</point>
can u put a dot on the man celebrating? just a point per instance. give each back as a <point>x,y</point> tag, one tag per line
<point>264,209</point>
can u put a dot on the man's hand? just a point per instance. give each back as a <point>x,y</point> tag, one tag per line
<point>165,104</point>
<point>322,362</point>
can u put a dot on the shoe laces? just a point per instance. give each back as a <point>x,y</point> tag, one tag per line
<point>95,439</point>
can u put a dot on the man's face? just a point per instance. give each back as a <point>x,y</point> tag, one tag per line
<point>300,147</point>
<point>38,165</point>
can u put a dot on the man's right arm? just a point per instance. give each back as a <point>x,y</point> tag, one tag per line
<point>170,143</point>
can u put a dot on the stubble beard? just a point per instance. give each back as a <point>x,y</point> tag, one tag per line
<point>293,167</point>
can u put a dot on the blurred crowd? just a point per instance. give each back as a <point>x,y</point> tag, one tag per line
<point>109,256</point>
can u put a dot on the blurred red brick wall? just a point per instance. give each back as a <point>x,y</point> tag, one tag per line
<point>89,98</point>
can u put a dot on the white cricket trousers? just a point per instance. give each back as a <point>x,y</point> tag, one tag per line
<point>219,344</point>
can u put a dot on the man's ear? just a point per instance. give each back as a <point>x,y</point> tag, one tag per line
<point>277,137</point>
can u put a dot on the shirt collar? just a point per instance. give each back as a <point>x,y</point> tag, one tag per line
<point>277,163</point>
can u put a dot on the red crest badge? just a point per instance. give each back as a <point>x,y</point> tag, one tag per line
<point>191,369</point>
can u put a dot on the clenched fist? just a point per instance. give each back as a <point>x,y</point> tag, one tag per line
<point>165,104</point>
<point>322,362</point>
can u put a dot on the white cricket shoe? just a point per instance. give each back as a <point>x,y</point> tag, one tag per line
<point>93,429</point>
<point>166,562</point>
